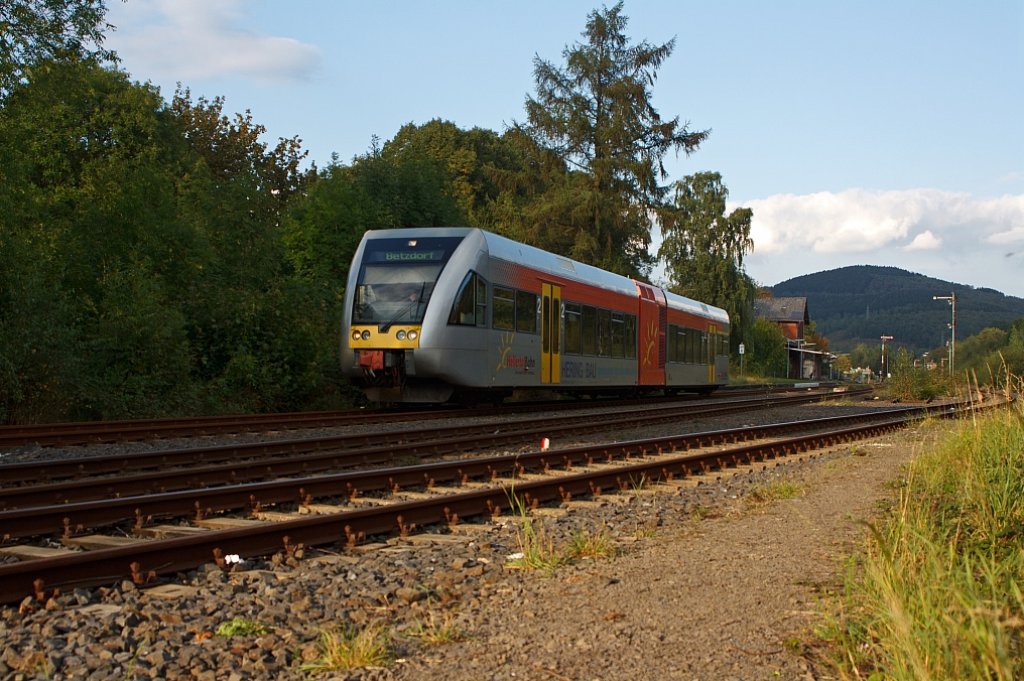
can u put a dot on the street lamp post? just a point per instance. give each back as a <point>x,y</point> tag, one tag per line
<point>884,367</point>
<point>951,299</point>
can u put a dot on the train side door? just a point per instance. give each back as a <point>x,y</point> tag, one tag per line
<point>550,336</point>
<point>712,349</point>
<point>653,323</point>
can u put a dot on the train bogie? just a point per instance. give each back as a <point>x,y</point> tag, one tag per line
<point>435,313</point>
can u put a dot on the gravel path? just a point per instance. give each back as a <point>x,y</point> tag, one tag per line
<point>706,584</point>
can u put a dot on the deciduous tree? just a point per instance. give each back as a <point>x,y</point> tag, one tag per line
<point>766,354</point>
<point>35,32</point>
<point>703,249</point>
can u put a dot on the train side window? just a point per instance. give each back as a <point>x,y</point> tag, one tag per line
<point>673,349</point>
<point>573,325</point>
<point>504,309</point>
<point>526,312</point>
<point>470,308</point>
<point>618,335</point>
<point>588,330</point>
<point>604,332</point>
<point>631,336</point>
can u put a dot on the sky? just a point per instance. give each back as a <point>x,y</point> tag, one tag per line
<point>877,132</point>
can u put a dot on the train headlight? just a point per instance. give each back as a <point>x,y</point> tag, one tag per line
<point>366,334</point>
<point>400,335</point>
<point>356,336</point>
<point>413,335</point>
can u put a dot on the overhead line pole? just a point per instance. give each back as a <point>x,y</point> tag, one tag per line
<point>951,299</point>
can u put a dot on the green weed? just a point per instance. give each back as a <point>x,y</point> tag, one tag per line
<point>240,626</point>
<point>346,647</point>
<point>435,630</point>
<point>774,491</point>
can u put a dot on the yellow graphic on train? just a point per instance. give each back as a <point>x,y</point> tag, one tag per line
<point>650,342</point>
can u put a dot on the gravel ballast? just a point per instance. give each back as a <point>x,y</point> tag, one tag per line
<point>705,584</point>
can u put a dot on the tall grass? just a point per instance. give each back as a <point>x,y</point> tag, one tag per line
<point>938,595</point>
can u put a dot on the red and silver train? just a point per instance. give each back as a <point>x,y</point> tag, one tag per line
<point>434,314</point>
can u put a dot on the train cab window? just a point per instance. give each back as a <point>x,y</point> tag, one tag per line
<point>470,307</point>
<point>504,311</point>
<point>573,325</point>
<point>396,278</point>
<point>526,312</point>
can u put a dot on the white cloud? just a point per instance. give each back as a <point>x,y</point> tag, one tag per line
<point>187,40</point>
<point>948,235</point>
<point>925,241</point>
<point>1010,236</point>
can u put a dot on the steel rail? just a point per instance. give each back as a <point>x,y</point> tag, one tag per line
<point>96,432</point>
<point>310,455</point>
<point>70,518</point>
<point>145,561</point>
<point>78,467</point>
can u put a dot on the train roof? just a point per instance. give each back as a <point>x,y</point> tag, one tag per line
<point>513,251</point>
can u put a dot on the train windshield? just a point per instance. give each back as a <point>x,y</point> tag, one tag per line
<point>396,278</point>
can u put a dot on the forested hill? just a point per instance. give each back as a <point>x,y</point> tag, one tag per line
<point>860,304</point>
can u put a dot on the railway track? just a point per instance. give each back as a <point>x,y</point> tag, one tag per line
<point>98,432</point>
<point>108,476</point>
<point>626,465</point>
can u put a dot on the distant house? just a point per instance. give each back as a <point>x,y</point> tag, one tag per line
<point>789,313</point>
<point>792,317</point>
